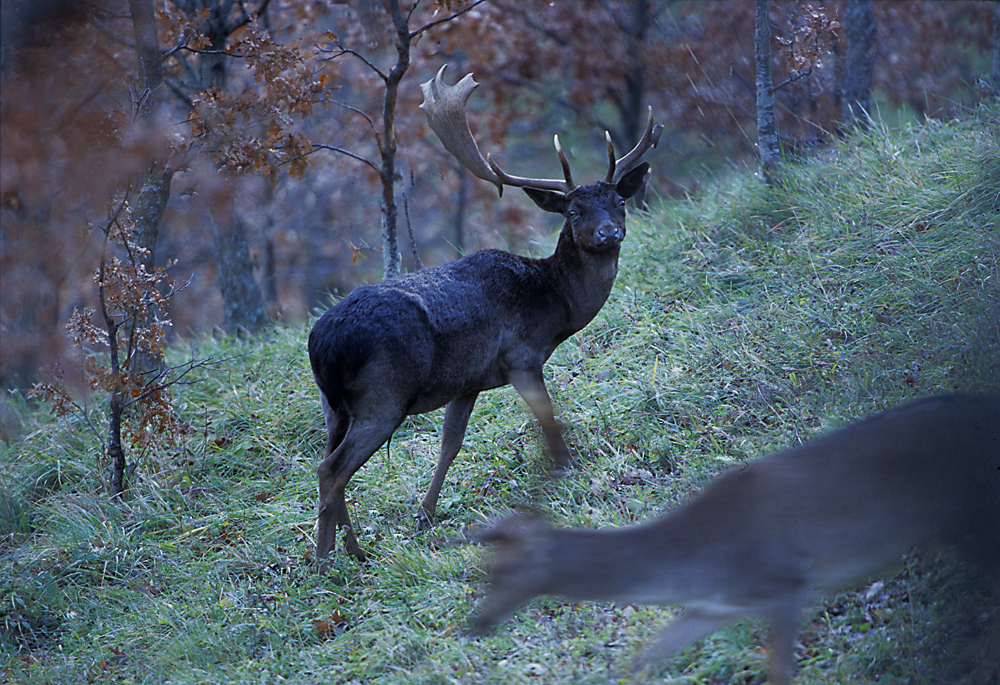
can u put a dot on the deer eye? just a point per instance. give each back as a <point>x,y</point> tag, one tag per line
<point>621,202</point>
<point>572,214</point>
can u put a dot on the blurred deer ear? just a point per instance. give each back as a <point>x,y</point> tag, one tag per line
<point>631,182</point>
<point>548,200</point>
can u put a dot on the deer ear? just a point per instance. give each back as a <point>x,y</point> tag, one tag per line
<point>548,200</point>
<point>631,182</point>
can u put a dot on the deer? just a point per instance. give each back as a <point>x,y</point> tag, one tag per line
<point>767,538</point>
<point>440,336</point>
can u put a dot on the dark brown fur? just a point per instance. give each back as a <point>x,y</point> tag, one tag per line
<point>441,336</point>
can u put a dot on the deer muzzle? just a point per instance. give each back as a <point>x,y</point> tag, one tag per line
<point>609,235</point>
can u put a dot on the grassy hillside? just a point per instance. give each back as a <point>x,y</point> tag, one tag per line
<point>744,320</point>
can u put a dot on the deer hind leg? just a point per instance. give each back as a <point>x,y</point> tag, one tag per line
<point>531,387</point>
<point>350,446</point>
<point>336,428</point>
<point>456,420</point>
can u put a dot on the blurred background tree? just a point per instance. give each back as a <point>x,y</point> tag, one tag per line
<point>239,141</point>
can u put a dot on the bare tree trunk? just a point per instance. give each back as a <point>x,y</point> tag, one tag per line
<point>995,78</point>
<point>391,257</point>
<point>148,47</point>
<point>633,117</point>
<point>155,190</point>
<point>242,299</point>
<point>241,294</point>
<point>859,25</point>
<point>116,405</point>
<point>115,451</point>
<point>153,197</point>
<point>767,130</point>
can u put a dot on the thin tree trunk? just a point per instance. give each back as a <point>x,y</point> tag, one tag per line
<point>116,454</point>
<point>634,118</point>
<point>148,47</point>
<point>859,26</point>
<point>995,80</point>
<point>391,257</point>
<point>113,446</point>
<point>243,301</point>
<point>153,197</point>
<point>155,189</point>
<point>767,130</point>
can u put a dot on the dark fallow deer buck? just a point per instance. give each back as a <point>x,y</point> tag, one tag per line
<point>770,537</point>
<point>440,336</point>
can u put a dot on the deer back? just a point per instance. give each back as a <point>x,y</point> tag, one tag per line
<point>442,332</point>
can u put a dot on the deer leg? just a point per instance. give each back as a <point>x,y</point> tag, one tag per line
<point>691,625</point>
<point>784,628</point>
<point>531,387</point>
<point>336,428</point>
<point>456,420</point>
<point>360,440</point>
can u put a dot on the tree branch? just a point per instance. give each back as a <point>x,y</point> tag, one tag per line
<point>792,79</point>
<point>187,367</point>
<point>333,148</point>
<point>341,50</point>
<point>444,19</point>
<point>349,108</point>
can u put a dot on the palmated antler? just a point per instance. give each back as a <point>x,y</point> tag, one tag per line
<point>445,107</point>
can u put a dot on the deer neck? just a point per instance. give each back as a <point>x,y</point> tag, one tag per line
<point>624,564</point>
<point>583,278</point>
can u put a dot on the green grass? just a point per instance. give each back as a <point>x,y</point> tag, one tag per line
<point>744,320</point>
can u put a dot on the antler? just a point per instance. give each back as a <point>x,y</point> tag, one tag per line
<point>445,107</point>
<point>616,169</point>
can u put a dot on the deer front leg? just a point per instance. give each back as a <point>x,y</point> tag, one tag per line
<point>456,420</point>
<point>531,387</point>
<point>691,625</point>
<point>784,629</point>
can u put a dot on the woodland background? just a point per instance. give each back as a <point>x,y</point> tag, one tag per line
<point>242,137</point>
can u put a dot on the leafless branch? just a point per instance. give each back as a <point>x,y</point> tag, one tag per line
<point>83,414</point>
<point>349,108</point>
<point>341,50</point>
<point>333,148</point>
<point>792,79</point>
<point>444,20</point>
<point>409,229</point>
<point>153,386</point>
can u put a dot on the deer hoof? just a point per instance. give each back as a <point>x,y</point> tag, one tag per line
<point>424,521</point>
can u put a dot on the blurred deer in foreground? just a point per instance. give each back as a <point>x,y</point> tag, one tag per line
<point>770,537</point>
<point>441,336</point>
